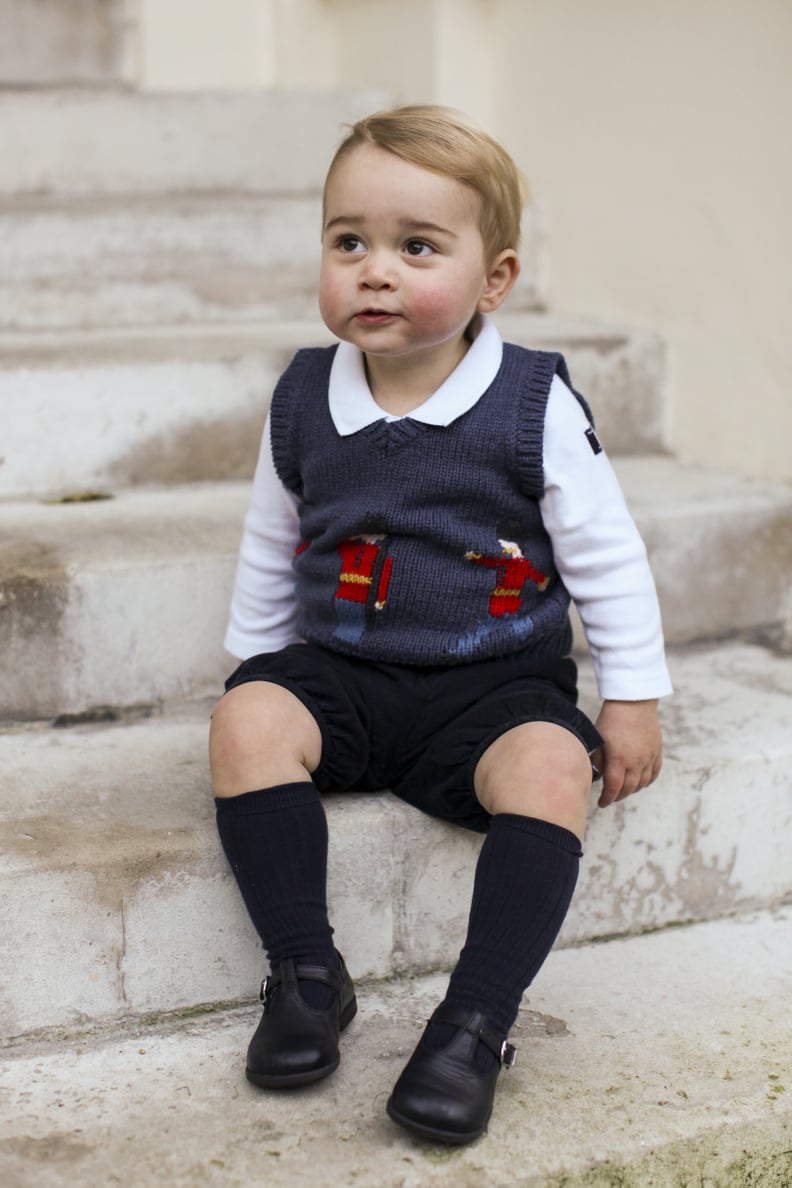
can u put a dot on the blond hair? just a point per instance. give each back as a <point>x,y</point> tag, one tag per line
<point>447,142</point>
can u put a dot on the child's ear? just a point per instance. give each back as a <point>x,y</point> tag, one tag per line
<point>501,275</point>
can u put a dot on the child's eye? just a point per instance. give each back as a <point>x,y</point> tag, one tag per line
<point>418,247</point>
<point>349,243</point>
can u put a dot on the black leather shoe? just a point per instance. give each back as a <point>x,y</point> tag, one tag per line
<point>294,1043</point>
<point>440,1094</point>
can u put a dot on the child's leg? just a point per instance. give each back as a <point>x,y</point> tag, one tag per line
<point>535,780</point>
<point>264,744</point>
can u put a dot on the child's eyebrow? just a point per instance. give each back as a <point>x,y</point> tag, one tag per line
<point>435,228</point>
<point>350,220</point>
<point>414,225</point>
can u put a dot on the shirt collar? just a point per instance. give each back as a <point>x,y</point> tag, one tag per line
<point>352,406</point>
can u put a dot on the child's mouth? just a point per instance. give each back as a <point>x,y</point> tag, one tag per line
<point>374,316</point>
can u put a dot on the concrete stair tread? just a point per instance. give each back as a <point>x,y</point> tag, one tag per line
<point>126,600</point>
<point>109,852</point>
<point>661,1059</point>
<point>50,44</point>
<point>179,403</point>
<point>143,525</point>
<point>162,259</point>
<point>256,141</point>
<point>542,329</point>
<point>187,257</point>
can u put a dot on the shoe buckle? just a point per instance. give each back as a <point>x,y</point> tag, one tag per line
<point>264,991</point>
<point>508,1054</point>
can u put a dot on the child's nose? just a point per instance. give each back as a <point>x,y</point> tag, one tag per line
<point>377,271</point>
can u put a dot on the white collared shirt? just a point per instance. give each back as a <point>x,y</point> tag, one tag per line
<point>597,548</point>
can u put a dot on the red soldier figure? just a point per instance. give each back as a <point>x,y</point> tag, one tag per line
<point>358,558</point>
<point>512,572</point>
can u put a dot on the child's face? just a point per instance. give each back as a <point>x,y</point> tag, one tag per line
<point>403,262</point>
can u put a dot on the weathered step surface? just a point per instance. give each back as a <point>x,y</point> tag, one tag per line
<point>181,404</point>
<point>188,257</point>
<point>123,209</point>
<point>51,43</point>
<point>125,601</point>
<point>115,602</point>
<point>119,209</point>
<point>118,901</point>
<point>144,261</point>
<point>659,1060</point>
<point>66,144</point>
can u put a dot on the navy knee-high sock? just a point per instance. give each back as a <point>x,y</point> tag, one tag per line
<point>276,843</point>
<point>525,878</point>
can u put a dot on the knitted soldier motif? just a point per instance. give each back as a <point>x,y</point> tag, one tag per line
<point>512,572</point>
<point>424,544</point>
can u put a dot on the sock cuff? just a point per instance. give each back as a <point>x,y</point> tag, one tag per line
<point>545,830</point>
<point>267,800</point>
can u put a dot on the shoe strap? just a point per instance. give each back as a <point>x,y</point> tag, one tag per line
<point>475,1023</point>
<point>302,972</point>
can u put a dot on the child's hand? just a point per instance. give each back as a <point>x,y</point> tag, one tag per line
<point>632,751</point>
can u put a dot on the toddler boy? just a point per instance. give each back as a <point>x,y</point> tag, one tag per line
<point>427,501</point>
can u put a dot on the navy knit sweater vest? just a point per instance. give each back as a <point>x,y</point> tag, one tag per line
<point>423,544</point>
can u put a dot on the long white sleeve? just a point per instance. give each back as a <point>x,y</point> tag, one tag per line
<point>601,557</point>
<point>263,605</point>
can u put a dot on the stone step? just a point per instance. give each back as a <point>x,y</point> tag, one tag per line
<point>118,901</point>
<point>124,601</point>
<point>120,209</point>
<point>67,144</point>
<point>52,43</point>
<point>659,1060</point>
<point>145,261</point>
<point>181,404</point>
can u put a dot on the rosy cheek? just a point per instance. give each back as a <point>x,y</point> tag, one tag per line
<point>432,304</point>
<point>329,296</point>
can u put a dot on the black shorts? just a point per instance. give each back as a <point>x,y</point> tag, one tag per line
<point>419,731</point>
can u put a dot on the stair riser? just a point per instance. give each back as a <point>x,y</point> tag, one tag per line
<point>51,43</point>
<point>138,264</point>
<point>158,929</point>
<point>118,898</point>
<point>169,419</point>
<point>255,142</point>
<point>737,569</point>
<point>187,260</point>
<point>159,422</point>
<point>83,625</point>
<point>117,637</point>
<point>725,552</point>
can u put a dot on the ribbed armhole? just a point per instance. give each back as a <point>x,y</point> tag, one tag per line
<point>308,373</point>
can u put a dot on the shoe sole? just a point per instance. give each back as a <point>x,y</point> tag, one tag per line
<point>291,1080</point>
<point>294,1080</point>
<point>432,1132</point>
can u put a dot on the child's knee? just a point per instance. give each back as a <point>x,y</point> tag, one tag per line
<point>261,735</point>
<point>537,769</point>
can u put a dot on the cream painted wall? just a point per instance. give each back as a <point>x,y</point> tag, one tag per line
<point>413,49</point>
<point>420,51</point>
<point>205,44</point>
<point>657,139</point>
<point>233,44</point>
